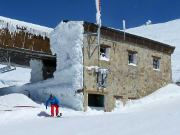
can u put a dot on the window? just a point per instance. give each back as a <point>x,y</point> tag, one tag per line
<point>102,78</point>
<point>132,58</point>
<point>156,63</point>
<point>104,53</point>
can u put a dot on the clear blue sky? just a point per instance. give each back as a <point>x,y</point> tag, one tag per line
<point>51,12</point>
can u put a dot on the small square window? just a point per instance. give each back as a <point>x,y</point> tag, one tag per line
<point>132,57</point>
<point>156,63</point>
<point>104,53</point>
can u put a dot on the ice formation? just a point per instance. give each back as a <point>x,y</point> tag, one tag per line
<point>36,72</point>
<point>15,26</point>
<point>67,42</point>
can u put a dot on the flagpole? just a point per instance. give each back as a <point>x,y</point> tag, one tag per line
<point>98,19</point>
<point>99,42</point>
<point>124,29</point>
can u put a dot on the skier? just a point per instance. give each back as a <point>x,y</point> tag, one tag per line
<point>54,104</point>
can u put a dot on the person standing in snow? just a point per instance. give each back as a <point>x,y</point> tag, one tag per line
<point>54,104</point>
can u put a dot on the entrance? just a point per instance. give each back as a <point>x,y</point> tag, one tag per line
<point>95,100</point>
<point>49,67</point>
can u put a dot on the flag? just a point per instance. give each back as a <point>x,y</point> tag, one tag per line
<point>98,5</point>
<point>98,13</point>
<point>124,25</point>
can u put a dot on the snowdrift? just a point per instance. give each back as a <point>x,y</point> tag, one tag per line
<point>167,33</point>
<point>162,95</point>
<point>156,114</point>
<point>14,100</point>
<point>20,76</point>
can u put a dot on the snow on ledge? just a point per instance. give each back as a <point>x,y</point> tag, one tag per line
<point>156,69</point>
<point>132,64</point>
<point>104,58</point>
<point>15,26</point>
<point>90,68</point>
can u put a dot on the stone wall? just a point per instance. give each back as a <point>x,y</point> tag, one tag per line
<point>124,80</point>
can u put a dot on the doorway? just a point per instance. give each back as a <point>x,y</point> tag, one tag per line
<point>49,67</point>
<point>95,100</point>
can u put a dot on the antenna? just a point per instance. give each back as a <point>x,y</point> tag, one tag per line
<point>124,29</point>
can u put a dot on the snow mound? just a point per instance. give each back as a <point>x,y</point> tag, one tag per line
<point>10,78</point>
<point>164,94</point>
<point>13,100</point>
<point>14,26</point>
<point>167,33</point>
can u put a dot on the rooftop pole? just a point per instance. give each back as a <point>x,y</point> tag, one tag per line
<point>124,29</point>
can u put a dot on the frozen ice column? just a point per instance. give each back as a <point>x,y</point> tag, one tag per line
<point>67,42</point>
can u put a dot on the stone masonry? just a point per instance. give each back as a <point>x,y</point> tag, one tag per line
<point>125,81</point>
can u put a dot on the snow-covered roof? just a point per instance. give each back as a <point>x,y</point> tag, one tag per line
<point>14,26</point>
<point>117,34</point>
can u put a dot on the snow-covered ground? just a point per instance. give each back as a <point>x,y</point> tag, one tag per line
<point>167,33</point>
<point>19,76</point>
<point>156,114</point>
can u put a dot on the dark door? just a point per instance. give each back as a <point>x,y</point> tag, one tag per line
<point>95,100</point>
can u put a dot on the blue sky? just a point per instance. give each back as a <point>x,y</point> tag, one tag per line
<point>51,12</point>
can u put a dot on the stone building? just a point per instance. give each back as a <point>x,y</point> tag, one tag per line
<point>123,66</point>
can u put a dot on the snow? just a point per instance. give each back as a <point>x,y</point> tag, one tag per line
<point>156,114</point>
<point>36,70</point>
<point>104,58</point>
<point>163,94</point>
<point>148,22</point>
<point>166,33</point>
<point>10,110</point>
<point>132,64</point>
<point>67,43</point>
<point>90,68</point>
<point>15,26</point>
<point>18,77</point>
<point>13,100</point>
